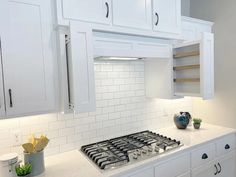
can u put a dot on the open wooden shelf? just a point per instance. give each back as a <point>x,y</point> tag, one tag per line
<point>187,80</point>
<point>186,54</point>
<point>187,94</point>
<point>178,68</point>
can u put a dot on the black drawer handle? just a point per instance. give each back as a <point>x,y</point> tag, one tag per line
<point>204,156</point>
<point>219,167</point>
<point>216,170</point>
<point>158,18</point>
<point>108,9</point>
<point>10,97</point>
<point>227,146</point>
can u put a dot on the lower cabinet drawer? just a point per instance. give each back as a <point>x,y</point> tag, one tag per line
<point>226,144</point>
<point>203,154</point>
<point>145,173</point>
<point>174,167</point>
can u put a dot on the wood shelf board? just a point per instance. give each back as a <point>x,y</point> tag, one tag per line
<point>187,80</point>
<point>182,94</point>
<point>186,54</point>
<point>178,68</point>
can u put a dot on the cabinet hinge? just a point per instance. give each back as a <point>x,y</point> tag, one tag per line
<point>67,39</point>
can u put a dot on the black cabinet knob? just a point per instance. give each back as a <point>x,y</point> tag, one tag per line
<point>227,146</point>
<point>204,156</point>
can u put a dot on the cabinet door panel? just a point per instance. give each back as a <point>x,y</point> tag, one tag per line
<point>2,21</point>
<point>28,58</point>
<point>81,68</point>
<point>207,65</point>
<point>167,16</point>
<point>146,173</point>
<point>176,165</point>
<point>185,175</point>
<point>98,11</point>
<point>228,165</point>
<point>208,170</point>
<point>2,103</point>
<point>132,13</point>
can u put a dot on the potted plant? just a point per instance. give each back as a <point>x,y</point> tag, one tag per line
<point>24,170</point>
<point>197,123</point>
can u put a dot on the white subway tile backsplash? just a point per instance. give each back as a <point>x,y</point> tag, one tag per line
<point>122,108</point>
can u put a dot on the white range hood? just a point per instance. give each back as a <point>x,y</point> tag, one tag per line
<point>111,46</point>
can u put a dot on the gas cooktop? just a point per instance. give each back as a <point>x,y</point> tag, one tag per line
<point>128,149</point>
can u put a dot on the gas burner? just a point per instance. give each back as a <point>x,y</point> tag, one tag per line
<point>128,149</point>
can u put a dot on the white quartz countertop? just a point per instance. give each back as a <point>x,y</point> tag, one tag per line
<point>75,164</point>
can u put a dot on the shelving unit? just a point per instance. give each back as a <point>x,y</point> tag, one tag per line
<point>187,70</point>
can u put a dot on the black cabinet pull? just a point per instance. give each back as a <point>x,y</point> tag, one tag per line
<point>157,15</point>
<point>10,96</point>
<point>108,9</point>
<point>219,167</point>
<point>216,170</point>
<point>227,146</point>
<point>204,156</point>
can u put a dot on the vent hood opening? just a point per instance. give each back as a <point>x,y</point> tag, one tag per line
<point>111,58</point>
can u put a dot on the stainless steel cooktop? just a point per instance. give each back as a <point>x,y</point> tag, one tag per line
<point>128,149</point>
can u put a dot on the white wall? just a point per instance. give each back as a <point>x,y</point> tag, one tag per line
<point>222,109</point>
<point>185,7</point>
<point>122,108</point>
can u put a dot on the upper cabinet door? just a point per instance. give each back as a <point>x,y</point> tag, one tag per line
<point>28,58</point>
<point>207,66</point>
<point>2,103</point>
<point>167,16</point>
<point>96,11</point>
<point>81,68</point>
<point>2,19</point>
<point>194,67</point>
<point>132,13</point>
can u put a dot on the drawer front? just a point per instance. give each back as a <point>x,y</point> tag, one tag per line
<point>173,167</point>
<point>203,154</point>
<point>226,144</point>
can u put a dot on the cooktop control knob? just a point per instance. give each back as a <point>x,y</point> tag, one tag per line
<point>150,149</point>
<point>157,149</point>
<point>138,152</point>
<point>135,156</point>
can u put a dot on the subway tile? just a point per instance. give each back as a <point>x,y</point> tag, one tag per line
<point>121,108</point>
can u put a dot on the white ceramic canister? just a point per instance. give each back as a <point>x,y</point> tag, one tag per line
<point>7,165</point>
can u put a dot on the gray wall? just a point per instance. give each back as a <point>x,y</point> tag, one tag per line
<point>222,109</point>
<point>185,7</point>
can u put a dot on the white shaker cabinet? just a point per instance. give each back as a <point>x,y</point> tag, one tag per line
<point>194,68</point>
<point>190,72</point>
<point>2,103</point>
<point>132,13</point>
<point>167,16</point>
<point>27,57</point>
<point>222,167</point>
<point>96,11</point>
<point>81,68</point>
